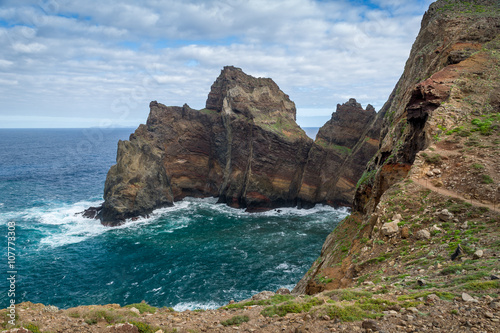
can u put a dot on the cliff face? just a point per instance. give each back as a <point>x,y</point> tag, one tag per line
<point>451,77</point>
<point>244,148</point>
<point>342,148</point>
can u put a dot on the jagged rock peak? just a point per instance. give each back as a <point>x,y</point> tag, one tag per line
<point>346,124</point>
<point>353,105</point>
<point>235,92</point>
<point>245,148</point>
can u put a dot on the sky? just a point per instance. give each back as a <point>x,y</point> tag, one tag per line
<point>74,64</point>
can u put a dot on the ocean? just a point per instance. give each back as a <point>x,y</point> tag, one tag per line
<point>196,254</point>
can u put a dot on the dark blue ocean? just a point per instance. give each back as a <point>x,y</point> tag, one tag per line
<point>196,254</point>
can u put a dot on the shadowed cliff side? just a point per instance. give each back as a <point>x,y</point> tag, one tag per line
<point>451,77</point>
<point>244,148</point>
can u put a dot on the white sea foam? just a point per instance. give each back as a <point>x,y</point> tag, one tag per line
<point>282,266</point>
<point>183,306</point>
<point>62,225</point>
<point>287,268</point>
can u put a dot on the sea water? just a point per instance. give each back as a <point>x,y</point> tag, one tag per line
<point>196,254</point>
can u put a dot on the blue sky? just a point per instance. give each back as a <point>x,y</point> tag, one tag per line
<point>99,63</point>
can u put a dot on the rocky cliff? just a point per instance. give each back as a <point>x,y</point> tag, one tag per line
<point>439,135</point>
<point>244,148</point>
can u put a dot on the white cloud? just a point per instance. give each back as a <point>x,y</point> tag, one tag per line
<point>109,59</point>
<point>29,48</point>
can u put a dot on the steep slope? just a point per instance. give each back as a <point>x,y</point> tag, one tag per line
<point>244,148</point>
<point>447,97</point>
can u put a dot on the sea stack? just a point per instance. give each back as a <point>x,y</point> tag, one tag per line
<point>244,148</point>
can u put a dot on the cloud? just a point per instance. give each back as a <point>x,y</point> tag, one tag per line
<point>108,59</point>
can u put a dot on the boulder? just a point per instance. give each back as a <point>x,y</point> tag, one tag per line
<point>435,228</point>
<point>283,291</point>
<point>123,328</point>
<point>423,234</point>
<point>390,229</point>
<point>436,171</point>
<point>478,254</point>
<point>432,298</point>
<point>405,232</point>
<point>445,215</point>
<point>370,325</point>
<point>135,310</point>
<point>263,295</point>
<point>468,298</point>
<point>18,330</point>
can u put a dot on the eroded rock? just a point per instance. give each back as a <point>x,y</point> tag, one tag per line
<point>390,228</point>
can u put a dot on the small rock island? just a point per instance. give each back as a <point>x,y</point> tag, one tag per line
<point>244,148</point>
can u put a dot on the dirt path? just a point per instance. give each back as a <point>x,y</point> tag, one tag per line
<point>427,184</point>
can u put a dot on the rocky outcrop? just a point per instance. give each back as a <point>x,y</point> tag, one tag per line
<point>342,148</point>
<point>244,148</point>
<point>450,77</point>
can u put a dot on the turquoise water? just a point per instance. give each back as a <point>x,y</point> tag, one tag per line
<point>197,254</point>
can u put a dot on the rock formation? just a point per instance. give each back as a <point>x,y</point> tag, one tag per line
<point>340,153</point>
<point>244,148</point>
<point>451,77</point>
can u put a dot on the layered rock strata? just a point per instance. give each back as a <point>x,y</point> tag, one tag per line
<point>451,77</point>
<point>244,148</point>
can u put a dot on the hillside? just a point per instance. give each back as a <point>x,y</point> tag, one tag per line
<point>420,251</point>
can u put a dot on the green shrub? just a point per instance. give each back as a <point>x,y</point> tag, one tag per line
<point>142,307</point>
<point>276,299</point>
<point>483,126</point>
<point>367,177</point>
<point>236,320</point>
<point>372,304</point>
<point>91,321</point>
<point>290,307</point>
<point>33,328</point>
<point>487,179</point>
<point>349,295</point>
<point>482,285</point>
<point>478,166</point>
<point>143,327</point>
<point>110,317</point>
<point>434,159</point>
<point>348,313</point>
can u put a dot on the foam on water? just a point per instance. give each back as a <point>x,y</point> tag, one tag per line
<point>61,224</point>
<point>194,255</point>
<point>183,306</point>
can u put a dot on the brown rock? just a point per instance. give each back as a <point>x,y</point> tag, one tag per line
<point>263,295</point>
<point>478,254</point>
<point>370,324</point>
<point>123,328</point>
<point>405,232</point>
<point>423,234</point>
<point>18,330</point>
<point>244,148</point>
<point>389,229</point>
<point>283,291</point>
<point>468,298</point>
